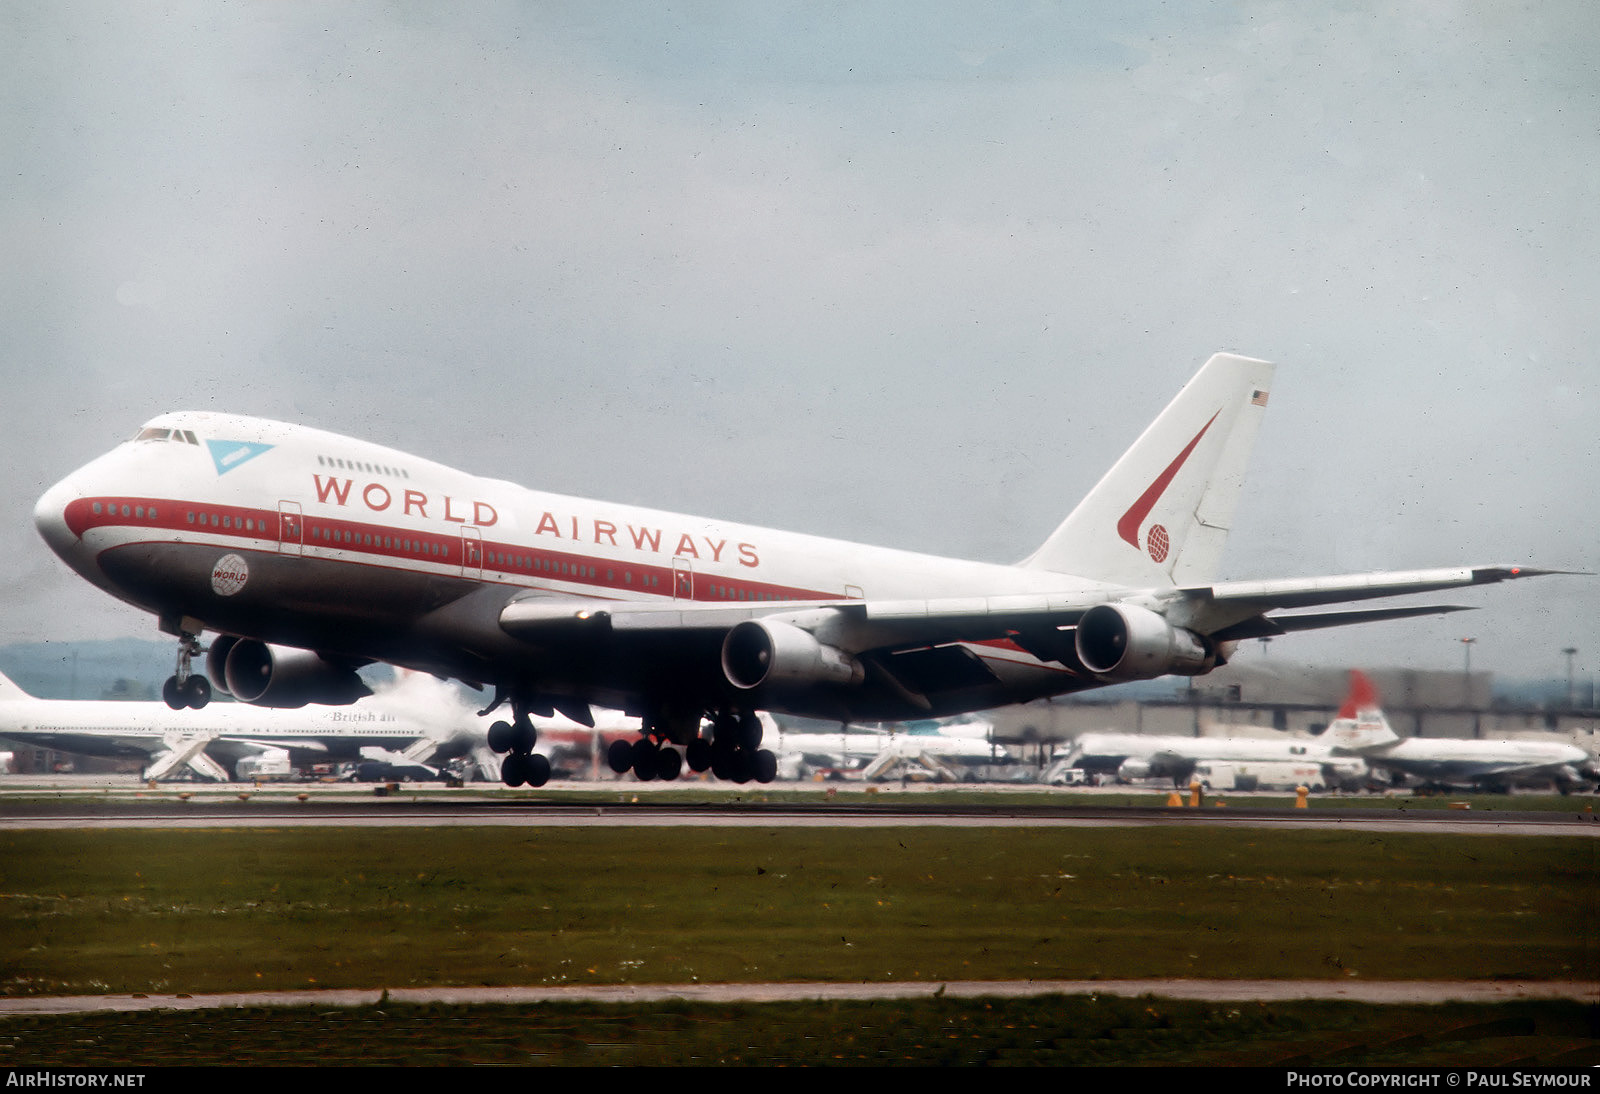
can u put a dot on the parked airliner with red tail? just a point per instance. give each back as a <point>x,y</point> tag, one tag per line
<point>310,555</point>
<point>1362,730</point>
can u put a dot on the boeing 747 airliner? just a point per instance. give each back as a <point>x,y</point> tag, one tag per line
<point>212,745</point>
<point>310,554</point>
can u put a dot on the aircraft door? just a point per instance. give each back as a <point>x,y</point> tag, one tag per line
<point>471,553</point>
<point>291,528</point>
<point>682,579</point>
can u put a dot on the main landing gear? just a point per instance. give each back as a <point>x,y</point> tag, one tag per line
<point>733,751</point>
<point>185,687</point>
<point>516,739</point>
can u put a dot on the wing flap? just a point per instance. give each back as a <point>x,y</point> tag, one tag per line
<point>537,617</point>
<point>1263,627</point>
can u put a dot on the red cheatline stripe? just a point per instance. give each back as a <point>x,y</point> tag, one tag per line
<point>322,534</point>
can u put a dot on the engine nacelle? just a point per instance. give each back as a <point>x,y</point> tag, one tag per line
<point>774,654</point>
<point>1131,769</point>
<point>283,676</point>
<point>217,661</point>
<point>1124,642</point>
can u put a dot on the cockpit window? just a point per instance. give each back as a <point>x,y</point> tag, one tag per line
<point>155,433</point>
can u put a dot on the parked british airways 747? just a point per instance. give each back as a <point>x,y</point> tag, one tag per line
<point>1362,730</point>
<point>311,554</point>
<point>399,723</point>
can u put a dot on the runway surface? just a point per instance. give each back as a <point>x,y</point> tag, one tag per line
<point>246,807</point>
<point>1380,992</point>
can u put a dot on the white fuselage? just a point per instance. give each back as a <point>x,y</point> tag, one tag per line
<point>297,536</point>
<point>227,731</point>
<point>1465,761</point>
<point>1176,756</point>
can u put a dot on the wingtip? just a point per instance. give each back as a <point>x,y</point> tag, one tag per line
<point>1508,572</point>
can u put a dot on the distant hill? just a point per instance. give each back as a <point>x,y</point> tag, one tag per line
<point>119,668</point>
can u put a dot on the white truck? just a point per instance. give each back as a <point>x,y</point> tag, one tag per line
<point>1259,775</point>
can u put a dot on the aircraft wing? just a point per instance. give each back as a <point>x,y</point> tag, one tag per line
<point>859,626</point>
<point>869,623</point>
<point>1214,610</point>
<point>914,648</point>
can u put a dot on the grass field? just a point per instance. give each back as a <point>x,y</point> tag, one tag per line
<point>219,910</point>
<point>97,911</point>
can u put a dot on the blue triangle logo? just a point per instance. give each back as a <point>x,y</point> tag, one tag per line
<point>230,454</point>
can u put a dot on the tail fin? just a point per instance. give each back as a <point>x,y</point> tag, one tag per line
<point>8,690</point>
<point>1161,515</point>
<point>1360,725</point>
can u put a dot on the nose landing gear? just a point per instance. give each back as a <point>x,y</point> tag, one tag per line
<point>185,687</point>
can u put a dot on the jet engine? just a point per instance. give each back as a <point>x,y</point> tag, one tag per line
<point>280,676</point>
<point>771,653</point>
<point>1132,768</point>
<point>1124,642</point>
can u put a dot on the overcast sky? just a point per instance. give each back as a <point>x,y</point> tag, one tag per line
<point>912,274</point>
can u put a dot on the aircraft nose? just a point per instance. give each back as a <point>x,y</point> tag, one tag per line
<point>50,517</point>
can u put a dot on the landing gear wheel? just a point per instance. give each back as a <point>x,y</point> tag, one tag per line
<point>620,757</point>
<point>537,769</point>
<point>724,731</point>
<point>644,760</point>
<point>172,693</point>
<point>523,735</point>
<point>766,766</point>
<point>699,754</point>
<point>514,769</point>
<point>500,737</point>
<point>749,731</point>
<point>197,690</point>
<point>669,764</point>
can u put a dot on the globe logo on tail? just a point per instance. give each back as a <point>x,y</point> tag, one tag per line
<point>1128,525</point>
<point>1157,542</point>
